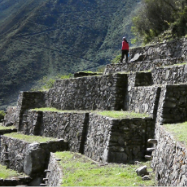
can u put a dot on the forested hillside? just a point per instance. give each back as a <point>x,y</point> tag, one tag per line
<point>48,37</point>
<point>160,19</point>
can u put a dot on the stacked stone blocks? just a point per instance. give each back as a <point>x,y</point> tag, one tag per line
<point>159,92</point>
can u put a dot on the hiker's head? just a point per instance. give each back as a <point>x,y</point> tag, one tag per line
<point>124,38</point>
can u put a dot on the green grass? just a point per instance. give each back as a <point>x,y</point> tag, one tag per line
<point>30,139</point>
<point>8,173</point>
<point>121,114</point>
<point>178,130</point>
<point>7,128</point>
<point>79,170</point>
<point>112,114</point>
<point>2,114</point>
<point>56,110</point>
<point>181,64</point>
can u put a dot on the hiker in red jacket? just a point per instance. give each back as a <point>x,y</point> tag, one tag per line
<point>124,49</point>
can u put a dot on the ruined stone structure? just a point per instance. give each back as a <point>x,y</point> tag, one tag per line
<point>155,84</point>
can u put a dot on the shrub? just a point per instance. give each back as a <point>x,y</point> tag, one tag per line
<point>116,59</point>
<point>156,16</point>
<point>2,114</point>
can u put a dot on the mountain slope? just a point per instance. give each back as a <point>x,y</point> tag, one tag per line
<point>47,37</point>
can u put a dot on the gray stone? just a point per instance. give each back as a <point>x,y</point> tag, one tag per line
<point>142,171</point>
<point>137,57</point>
<point>146,177</point>
<point>153,141</point>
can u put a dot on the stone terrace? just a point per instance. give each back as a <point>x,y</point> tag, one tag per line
<point>159,91</point>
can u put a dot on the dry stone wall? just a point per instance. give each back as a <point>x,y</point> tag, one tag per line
<point>141,65</point>
<point>10,116</point>
<point>110,140</point>
<point>170,75</point>
<point>142,99</point>
<point>55,175</point>
<point>68,126</point>
<point>169,160</point>
<point>30,158</point>
<point>89,93</point>
<point>173,104</point>
<point>93,135</point>
<point>26,101</point>
<point>173,49</point>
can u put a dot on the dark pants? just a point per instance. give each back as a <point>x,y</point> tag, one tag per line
<point>123,53</point>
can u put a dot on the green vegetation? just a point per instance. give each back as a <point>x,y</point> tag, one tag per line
<point>178,130</point>
<point>57,110</point>
<point>101,69</point>
<point>167,18</point>
<point>34,46</point>
<point>7,128</point>
<point>116,59</point>
<point>121,114</point>
<point>2,114</point>
<point>8,173</point>
<point>29,138</point>
<point>112,114</point>
<point>79,170</point>
<point>181,64</point>
<point>48,82</point>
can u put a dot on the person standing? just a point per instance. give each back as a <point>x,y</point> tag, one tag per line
<point>124,49</point>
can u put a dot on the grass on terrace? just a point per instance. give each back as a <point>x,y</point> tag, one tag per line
<point>56,110</point>
<point>6,128</point>
<point>29,138</point>
<point>121,114</point>
<point>8,173</point>
<point>112,114</point>
<point>179,131</point>
<point>79,170</point>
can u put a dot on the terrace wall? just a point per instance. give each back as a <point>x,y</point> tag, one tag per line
<point>68,126</point>
<point>89,93</point>
<point>30,158</point>
<point>173,49</point>
<point>142,99</point>
<point>144,65</point>
<point>54,177</point>
<point>172,104</point>
<point>169,160</point>
<point>110,140</point>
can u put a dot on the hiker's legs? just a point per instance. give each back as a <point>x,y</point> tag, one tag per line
<point>122,55</point>
<point>126,53</point>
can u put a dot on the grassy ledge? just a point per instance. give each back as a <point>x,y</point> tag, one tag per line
<point>79,170</point>
<point>29,138</point>
<point>121,114</point>
<point>8,173</point>
<point>178,130</point>
<point>7,128</point>
<point>170,66</point>
<point>112,114</point>
<point>60,111</point>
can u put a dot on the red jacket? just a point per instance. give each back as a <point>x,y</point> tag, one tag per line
<point>125,45</point>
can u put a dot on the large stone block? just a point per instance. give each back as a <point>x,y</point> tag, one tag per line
<point>30,158</point>
<point>110,140</point>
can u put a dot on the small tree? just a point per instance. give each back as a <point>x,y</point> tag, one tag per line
<point>156,16</point>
